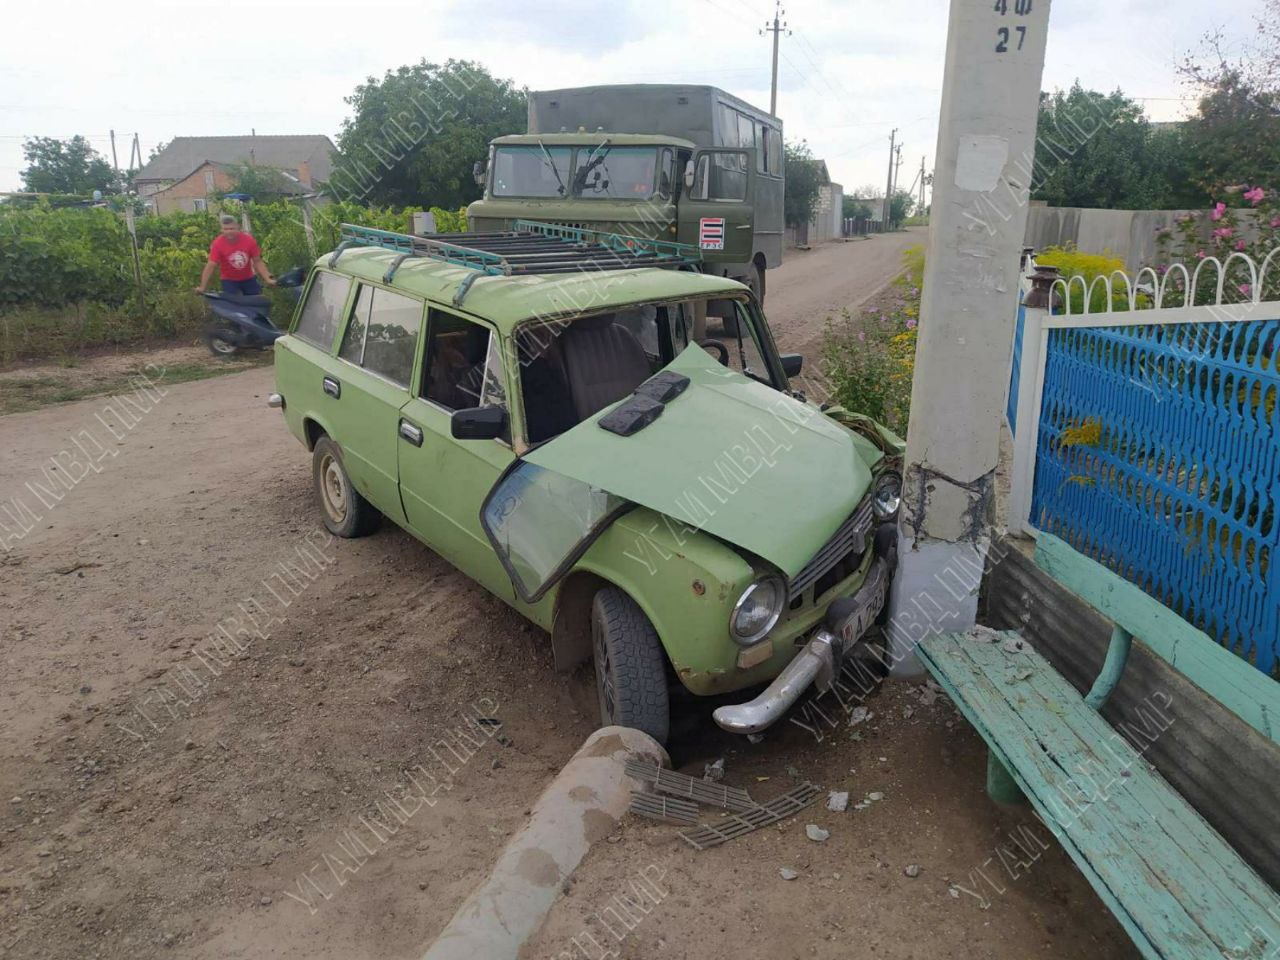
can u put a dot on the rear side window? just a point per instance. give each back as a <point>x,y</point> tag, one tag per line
<point>382,333</point>
<point>464,364</point>
<point>318,322</point>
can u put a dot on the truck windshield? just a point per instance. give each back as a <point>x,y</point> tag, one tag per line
<point>615,173</point>
<point>530,171</point>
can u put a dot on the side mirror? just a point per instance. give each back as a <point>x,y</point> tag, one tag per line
<point>791,364</point>
<point>688,174</point>
<point>478,423</point>
<point>478,173</point>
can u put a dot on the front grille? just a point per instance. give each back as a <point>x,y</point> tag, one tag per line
<point>850,538</point>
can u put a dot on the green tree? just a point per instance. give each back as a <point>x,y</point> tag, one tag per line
<point>803,181</point>
<point>65,166</point>
<point>263,184</point>
<point>852,208</point>
<point>900,206</point>
<point>1098,150</point>
<point>1234,138</point>
<point>416,133</point>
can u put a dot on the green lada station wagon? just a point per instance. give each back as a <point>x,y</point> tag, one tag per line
<point>533,406</point>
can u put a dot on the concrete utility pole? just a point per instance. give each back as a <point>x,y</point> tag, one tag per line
<point>922,177</point>
<point>777,28</point>
<point>986,143</point>
<point>888,187</point>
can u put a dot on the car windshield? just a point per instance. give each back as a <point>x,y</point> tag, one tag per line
<point>572,369</point>
<point>531,171</point>
<point>615,173</point>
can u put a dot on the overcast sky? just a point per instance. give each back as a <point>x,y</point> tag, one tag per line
<point>850,71</point>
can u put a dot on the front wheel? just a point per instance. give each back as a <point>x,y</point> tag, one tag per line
<point>221,343</point>
<point>345,512</point>
<point>631,668</point>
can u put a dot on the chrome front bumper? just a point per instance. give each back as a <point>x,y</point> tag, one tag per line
<point>820,660</point>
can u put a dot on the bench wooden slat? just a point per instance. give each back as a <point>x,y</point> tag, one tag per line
<point>1238,686</point>
<point>1169,889</point>
<point>1081,737</point>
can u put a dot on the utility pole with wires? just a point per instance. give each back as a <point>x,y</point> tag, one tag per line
<point>777,28</point>
<point>888,187</point>
<point>923,178</point>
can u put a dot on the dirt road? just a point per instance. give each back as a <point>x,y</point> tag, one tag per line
<point>213,717</point>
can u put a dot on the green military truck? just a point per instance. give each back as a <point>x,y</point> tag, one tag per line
<point>660,161</point>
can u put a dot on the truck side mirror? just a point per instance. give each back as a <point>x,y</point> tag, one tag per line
<point>478,173</point>
<point>792,363</point>
<point>688,174</point>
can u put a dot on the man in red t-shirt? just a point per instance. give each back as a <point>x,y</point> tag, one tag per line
<point>236,256</point>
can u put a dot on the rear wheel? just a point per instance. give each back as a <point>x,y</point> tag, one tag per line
<point>631,674</point>
<point>345,512</point>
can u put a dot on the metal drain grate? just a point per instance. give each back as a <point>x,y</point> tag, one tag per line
<point>779,808</point>
<point>671,809</point>
<point>683,785</point>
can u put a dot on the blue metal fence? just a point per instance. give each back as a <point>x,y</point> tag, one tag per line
<point>1159,455</point>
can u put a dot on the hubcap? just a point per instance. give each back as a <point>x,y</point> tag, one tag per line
<point>222,346</point>
<point>333,489</point>
<point>604,675</point>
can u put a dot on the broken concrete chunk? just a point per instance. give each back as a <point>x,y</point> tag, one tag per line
<point>838,800</point>
<point>714,772</point>
<point>816,833</point>
<point>1014,645</point>
<point>911,870</point>
<point>787,873</point>
<point>858,715</point>
<point>875,795</point>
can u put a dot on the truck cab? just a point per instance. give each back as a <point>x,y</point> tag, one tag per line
<point>656,161</point>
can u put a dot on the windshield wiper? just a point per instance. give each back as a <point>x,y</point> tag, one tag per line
<point>594,159</point>
<point>552,164</point>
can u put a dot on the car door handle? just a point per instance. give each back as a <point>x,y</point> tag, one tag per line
<point>332,387</point>
<point>411,433</point>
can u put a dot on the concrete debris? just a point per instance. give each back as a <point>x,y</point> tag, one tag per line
<point>816,833</point>
<point>787,873</point>
<point>875,795</point>
<point>755,738</point>
<point>1014,645</point>
<point>714,772</point>
<point>911,870</point>
<point>838,800</point>
<point>859,715</point>
<point>953,892</point>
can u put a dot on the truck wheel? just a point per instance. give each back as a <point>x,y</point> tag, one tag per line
<point>221,343</point>
<point>345,513</point>
<point>631,668</point>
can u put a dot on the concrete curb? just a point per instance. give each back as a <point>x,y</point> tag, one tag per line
<point>581,805</point>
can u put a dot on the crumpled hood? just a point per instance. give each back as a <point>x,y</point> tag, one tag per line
<point>740,460</point>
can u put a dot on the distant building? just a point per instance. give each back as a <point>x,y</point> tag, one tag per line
<point>190,170</point>
<point>825,222</point>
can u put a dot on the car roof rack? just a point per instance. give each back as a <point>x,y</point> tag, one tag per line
<point>531,248</point>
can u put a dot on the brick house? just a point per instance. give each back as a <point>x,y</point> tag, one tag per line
<point>190,170</point>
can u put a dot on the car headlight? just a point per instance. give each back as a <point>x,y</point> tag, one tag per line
<point>888,496</point>
<point>758,609</point>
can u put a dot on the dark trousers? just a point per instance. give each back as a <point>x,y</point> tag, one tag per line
<point>243,288</point>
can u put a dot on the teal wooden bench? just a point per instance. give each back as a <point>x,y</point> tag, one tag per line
<point>1180,890</point>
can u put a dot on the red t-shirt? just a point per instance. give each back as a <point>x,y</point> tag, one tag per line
<point>234,257</point>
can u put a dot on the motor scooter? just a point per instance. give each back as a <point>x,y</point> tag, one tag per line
<point>239,322</point>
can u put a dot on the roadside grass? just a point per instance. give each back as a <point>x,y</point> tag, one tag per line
<point>23,394</point>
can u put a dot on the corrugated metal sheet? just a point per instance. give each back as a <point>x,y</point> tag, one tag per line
<point>1224,768</point>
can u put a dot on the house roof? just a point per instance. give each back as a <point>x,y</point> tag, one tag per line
<point>184,154</point>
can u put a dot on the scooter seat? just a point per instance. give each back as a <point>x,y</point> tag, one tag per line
<point>247,300</point>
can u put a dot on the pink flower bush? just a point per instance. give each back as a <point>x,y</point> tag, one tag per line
<point>1246,289</point>
<point>1219,212</point>
<point>1256,195</point>
<point>1200,254</point>
<point>1223,233</point>
<point>911,324</point>
<point>1235,227</point>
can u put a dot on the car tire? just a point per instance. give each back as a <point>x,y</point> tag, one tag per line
<point>345,512</point>
<point>630,665</point>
